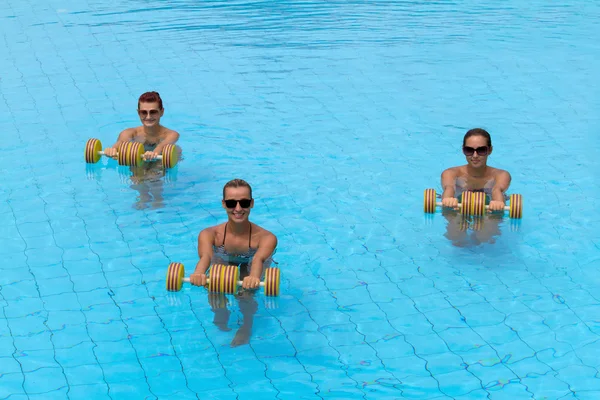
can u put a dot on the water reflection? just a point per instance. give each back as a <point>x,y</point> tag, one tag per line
<point>147,180</point>
<point>468,231</point>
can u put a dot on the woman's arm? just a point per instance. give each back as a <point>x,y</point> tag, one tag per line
<point>448,183</point>
<point>206,239</point>
<point>449,188</point>
<point>502,182</point>
<point>170,138</point>
<point>266,247</point>
<point>124,136</point>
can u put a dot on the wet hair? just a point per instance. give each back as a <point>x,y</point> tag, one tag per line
<point>478,132</point>
<point>150,97</point>
<point>236,183</point>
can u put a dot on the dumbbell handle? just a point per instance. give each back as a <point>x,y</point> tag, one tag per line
<point>158,157</point>
<point>487,207</point>
<point>186,279</point>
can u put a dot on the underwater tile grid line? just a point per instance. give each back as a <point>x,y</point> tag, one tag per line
<point>337,113</point>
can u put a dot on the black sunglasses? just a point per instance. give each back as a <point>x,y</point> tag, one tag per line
<point>152,113</point>
<point>244,203</point>
<point>469,151</point>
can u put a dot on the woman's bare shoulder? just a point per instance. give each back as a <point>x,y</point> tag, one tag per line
<point>497,172</point>
<point>262,233</point>
<point>211,231</point>
<point>455,172</point>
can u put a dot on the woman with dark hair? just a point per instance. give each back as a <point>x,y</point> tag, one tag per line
<point>476,175</point>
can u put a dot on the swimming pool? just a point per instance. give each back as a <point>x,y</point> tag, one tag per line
<point>339,114</point>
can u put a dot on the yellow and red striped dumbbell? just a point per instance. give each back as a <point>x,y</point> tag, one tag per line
<point>130,153</point>
<point>473,203</point>
<point>222,279</point>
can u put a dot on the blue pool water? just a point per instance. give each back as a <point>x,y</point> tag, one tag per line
<point>339,114</point>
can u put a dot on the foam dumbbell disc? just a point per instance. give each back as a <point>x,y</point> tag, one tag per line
<point>429,201</point>
<point>478,204</point>
<point>466,203</point>
<point>215,277</point>
<point>136,151</point>
<point>229,284</point>
<point>175,274</point>
<point>122,153</point>
<point>93,147</point>
<point>516,206</point>
<point>170,156</point>
<point>272,278</point>
<point>133,154</point>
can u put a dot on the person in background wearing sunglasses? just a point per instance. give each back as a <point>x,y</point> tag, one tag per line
<point>476,175</point>
<point>146,178</point>
<point>151,133</point>
<point>236,242</point>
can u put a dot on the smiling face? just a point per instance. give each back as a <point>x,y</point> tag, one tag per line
<point>237,202</point>
<point>150,113</point>
<point>476,151</point>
